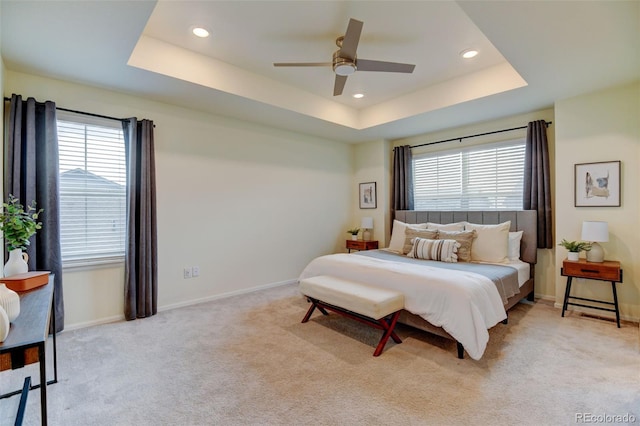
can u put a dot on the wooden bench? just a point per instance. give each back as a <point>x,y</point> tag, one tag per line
<point>374,306</point>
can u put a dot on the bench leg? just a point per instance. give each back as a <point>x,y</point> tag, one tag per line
<point>314,305</point>
<point>387,321</point>
<point>460,350</point>
<point>309,312</point>
<point>387,325</point>
<point>388,332</point>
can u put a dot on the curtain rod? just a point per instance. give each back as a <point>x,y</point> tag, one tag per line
<point>459,139</point>
<point>85,113</point>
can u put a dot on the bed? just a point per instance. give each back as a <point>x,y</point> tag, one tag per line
<point>458,301</point>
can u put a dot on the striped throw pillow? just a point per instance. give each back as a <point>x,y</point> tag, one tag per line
<point>441,250</point>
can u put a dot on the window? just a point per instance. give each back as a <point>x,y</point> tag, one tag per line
<point>481,177</point>
<point>92,189</point>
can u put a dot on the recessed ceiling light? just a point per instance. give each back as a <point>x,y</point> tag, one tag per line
<point>200,32</point>
<point>469,53</point>
<point>358,95</point>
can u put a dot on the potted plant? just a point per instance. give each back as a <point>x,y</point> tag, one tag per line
<point>354,233</point>
<point>574,248</point>
<point>17,226</point>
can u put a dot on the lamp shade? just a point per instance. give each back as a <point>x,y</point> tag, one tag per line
<point>595,231</point>
<point>367,223</point>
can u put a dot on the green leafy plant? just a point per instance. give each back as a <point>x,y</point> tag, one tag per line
<point>575,246</point>
<point>17,224</point>
<point>353,231</point>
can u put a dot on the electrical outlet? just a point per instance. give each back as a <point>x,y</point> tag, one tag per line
<point>187,272</point>
<point>195,271</point>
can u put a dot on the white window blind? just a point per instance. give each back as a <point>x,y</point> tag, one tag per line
<point>92,188</point>
<point>482,177</point>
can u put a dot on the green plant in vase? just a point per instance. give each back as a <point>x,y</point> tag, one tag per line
<point>18,226</point>
<point>354,233</point>
<point>575,247</point>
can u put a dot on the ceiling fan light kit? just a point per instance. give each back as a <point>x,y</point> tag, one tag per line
<point>343,67</point>
<point>345,62</point>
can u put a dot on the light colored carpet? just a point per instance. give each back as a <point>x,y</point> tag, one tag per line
<point>249,360</point>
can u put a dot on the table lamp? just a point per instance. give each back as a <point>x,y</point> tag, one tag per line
<point>366,225</point>
<point>594,232</point>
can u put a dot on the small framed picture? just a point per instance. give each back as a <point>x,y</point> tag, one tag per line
<point>597,184</point>
<point>368,195</point>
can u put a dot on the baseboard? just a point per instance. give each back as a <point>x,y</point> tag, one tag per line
<point>86,324</point>
<point>545,298</point>
<point>589,312</point>
<point>597,313</point>
<point>224,295</point>
<point>117,318</point>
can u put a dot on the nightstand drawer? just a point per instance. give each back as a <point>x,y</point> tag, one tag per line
<point>606,271</point>
<point>361,245</point>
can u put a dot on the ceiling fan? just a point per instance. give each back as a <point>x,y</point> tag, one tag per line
<point>345,61</point>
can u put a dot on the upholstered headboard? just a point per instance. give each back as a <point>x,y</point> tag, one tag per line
<point>521,220</point>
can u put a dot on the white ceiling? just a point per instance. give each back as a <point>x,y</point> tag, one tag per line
<point>531,54</point>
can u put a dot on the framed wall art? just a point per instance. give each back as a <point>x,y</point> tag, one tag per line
<point>368,195</point>
<point>597,184</point>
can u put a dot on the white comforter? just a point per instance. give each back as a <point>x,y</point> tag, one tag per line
<point>464,304</point>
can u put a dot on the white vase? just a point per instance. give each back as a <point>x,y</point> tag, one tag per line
<point>573,256</point>
<point>4,325</point>
<point>354,237</point>
<point>16,264</point>
<point>10,302</point>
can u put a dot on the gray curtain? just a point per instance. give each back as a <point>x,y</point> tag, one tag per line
<point>32,173</point>
<point>537,180</point>
<point>402,190</point>
<point>141,270</point>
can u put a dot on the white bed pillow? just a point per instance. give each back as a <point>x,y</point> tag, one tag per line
<point>440,250</point>
<point>491,243</point>
<point>514,245</point>
<point>396,243</point>
<point>457,226</point>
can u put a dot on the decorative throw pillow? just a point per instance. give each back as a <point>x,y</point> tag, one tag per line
<point>465,238</point>
<point>492,242</point>
<point>514,245</point>
<point>410,234</point>
<point>441,250</point>
<point>396,243</point>
<point>457,226</point>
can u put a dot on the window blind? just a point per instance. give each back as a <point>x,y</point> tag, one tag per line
<point>92,188</point>
<point>482,177</point>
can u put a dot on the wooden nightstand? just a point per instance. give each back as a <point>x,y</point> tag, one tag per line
<point>361,245</point>
<point>609,270</point>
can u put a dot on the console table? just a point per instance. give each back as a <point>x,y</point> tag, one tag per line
<point>26,342</point>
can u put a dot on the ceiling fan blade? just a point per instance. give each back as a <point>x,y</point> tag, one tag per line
<point>302,64</point>
<point>369,65</point>
<point>351,39</point>
<point>339,85</point>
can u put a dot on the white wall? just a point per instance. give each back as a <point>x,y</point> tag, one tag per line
<point>249,205</point>
<point>602,126</point>
<point>370,159</point>
<point>2,73</point>
<point>545,268</point>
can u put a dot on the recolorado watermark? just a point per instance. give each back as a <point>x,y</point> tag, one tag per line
<point>605,418</point>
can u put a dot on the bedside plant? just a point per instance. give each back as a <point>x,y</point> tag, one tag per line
<point>574,248</point>
<point>354,233</point>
